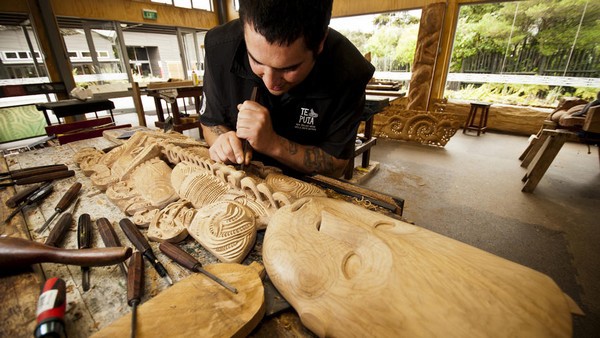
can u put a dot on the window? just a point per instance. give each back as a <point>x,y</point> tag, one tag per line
<point>11,55</point>
<point>195,4</point>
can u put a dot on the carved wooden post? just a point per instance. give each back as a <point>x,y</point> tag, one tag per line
<point>432,19</point>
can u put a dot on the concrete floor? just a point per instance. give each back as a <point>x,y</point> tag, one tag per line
<point>470,190</point>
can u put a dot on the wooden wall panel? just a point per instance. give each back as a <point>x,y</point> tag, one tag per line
<point>131,11</point>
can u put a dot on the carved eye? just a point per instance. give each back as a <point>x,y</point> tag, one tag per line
<point>351,265</point>
<point>384,226</point>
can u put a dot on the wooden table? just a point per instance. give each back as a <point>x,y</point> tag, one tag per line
<point>183,90</point>
<point>89,311</point>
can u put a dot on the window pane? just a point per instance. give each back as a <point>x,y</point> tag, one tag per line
<point>183,3</point>
<point>202,4</point>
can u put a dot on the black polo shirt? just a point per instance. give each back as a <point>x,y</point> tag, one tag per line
<point>324,110</point>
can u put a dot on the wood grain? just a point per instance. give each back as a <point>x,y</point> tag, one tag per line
<point>352,272</point>
<point>199,307</point>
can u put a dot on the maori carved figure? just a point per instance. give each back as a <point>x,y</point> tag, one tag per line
<point>425,55</point>
<point>170,224</point>
<point>227,229</point>
<point>148,187</point>
<point>352,272</point>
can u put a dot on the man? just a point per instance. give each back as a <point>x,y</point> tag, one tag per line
<point>310,79</point>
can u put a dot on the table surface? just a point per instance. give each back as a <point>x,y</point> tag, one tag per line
<point>75,102</point>
<point>89,311</point>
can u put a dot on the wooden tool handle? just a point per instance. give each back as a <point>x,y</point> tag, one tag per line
<point>57,234</point>
<point>45,177</point>
<point>107,233</point>
<point>22,195</point>
<point>179,255</point>
<point>84,232</point>
<point>17,252</point>
<point>38,171</point>
<point>68,197</point>
<point>134,235</point>
<point>135,278</point>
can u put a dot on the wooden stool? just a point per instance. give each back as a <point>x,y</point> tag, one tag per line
<point>483,117</point>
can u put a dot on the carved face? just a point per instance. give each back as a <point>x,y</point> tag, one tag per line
<point>349,271</point>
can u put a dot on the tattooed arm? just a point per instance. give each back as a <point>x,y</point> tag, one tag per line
<point>309,159</point>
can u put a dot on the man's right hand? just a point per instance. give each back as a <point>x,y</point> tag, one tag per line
<point>227,148</point>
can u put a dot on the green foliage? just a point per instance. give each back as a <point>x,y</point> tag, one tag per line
<point>519,94</point>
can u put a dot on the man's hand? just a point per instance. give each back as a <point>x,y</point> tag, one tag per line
<point>225,146</point>
<point>254,125</point>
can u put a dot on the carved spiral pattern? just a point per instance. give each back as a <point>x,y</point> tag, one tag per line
<point>293,187</point>
<point>226,229</point>
<point>202,188</point>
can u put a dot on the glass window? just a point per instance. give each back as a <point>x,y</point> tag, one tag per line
<point>11,55</point>
<point>106,71</point>
<point>202,4</point>
<point>183,3</point>
<point>525,52</point>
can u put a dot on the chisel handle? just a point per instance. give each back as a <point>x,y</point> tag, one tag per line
<point>18,252</point>
<point>179,255</point>
<point>68,197</point>
<point>134,235</point>
<point>84,232</point>
<point>57,234</point>
<point>21,196</point>
<point>43,177</point>
<point>107,233</point>
<point>37,171</point>
<point>135,278</point>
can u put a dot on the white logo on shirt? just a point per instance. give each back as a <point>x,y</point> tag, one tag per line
<point>306,120</point>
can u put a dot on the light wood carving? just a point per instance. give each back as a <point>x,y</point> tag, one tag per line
<point>432,19</point>
<point>171,223</point>
<point>148,187</point>
<point>295,188</point>
<point>427,128</point>
<point>227,229</point>
<point>352,272</point>
<point>198,307</point>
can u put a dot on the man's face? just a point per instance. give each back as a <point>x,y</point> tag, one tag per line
<point>280,67</point>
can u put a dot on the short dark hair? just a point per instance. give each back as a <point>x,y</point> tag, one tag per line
<point>284,21</point>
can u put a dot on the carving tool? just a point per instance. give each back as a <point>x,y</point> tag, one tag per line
<point>188,261</point>
<point>40,178</point>
<point>34,198</point>
<point>84,241</point>
<point>57,234</point>
<point>22,195</point>
<point>135,287</point>
<point>245,144</point>
<point>63,204</point>
<point>51,308</point>
<point>109,238</point>
<point>32,171</point>
<point>17,252</point>
<point>140,242</point>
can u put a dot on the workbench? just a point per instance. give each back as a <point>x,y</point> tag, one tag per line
<point>105,302</point>
<point>181,89</point>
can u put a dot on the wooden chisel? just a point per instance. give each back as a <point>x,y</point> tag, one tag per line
<point>21,196</point>
<point>110,238</point>
<point>84,241</point>
<point>26,172</point>
<point>245,144</point>
<point>40,178</point>
<point>18,252</point>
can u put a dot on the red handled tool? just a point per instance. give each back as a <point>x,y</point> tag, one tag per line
<point>52,304</point>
